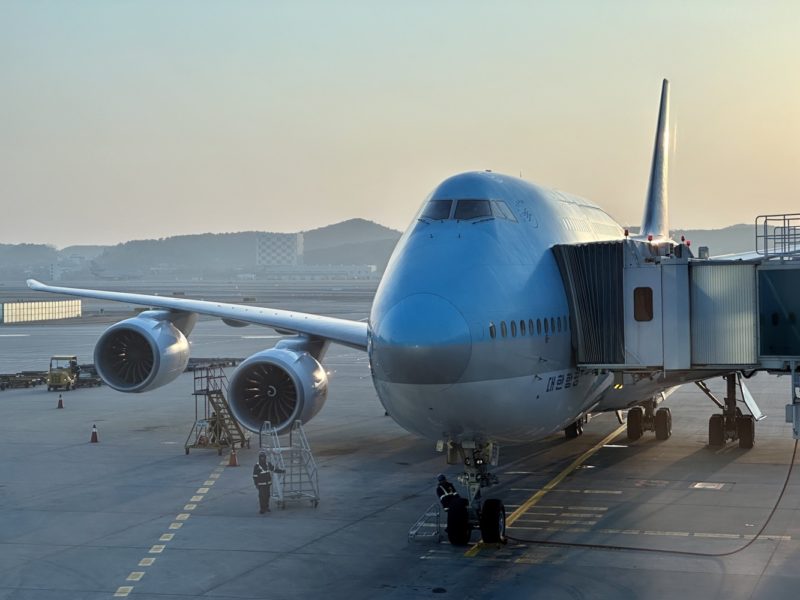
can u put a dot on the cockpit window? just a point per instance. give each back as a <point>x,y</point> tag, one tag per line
<point>437,210</point>
<point>501,211</point>
<point>472,209</point>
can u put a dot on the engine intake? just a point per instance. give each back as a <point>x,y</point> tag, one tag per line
<point>279,386</point>
<point>142,353</point>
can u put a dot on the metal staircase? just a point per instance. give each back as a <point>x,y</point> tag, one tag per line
<point>214,425</point>
<point>300,478</point>
<point>429,525</point>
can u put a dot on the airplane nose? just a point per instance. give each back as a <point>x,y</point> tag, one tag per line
<point>421,339</point>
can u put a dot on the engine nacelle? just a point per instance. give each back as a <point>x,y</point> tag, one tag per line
<point>144,352</point>
<point>278,385</point>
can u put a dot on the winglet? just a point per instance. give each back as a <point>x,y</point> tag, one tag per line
<point>656,214</point>
<point>34,284</point>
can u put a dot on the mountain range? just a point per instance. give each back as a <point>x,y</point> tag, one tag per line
<point>220,255</point>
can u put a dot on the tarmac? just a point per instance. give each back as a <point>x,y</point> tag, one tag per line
<point>134,516</point>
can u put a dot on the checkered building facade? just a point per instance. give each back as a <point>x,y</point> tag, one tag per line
<point>279,249</point>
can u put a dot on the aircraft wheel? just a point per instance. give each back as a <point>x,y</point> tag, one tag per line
<point>493,522</point>
<point>746,431</point>
<point>635,423</point>
<point>459,528</point>
<point>574,430</point>
<point>663,423</point>
<point>716,430</point>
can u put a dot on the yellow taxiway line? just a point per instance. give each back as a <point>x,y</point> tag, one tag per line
<point>525,506</point>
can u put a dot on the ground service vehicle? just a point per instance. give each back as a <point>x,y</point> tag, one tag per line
<point>63,373</point>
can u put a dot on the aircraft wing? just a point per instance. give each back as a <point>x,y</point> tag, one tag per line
<point>341,331</point>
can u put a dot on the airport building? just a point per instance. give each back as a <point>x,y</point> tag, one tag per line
<point>46,310</point>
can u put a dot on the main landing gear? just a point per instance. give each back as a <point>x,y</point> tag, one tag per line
<point>731,424</point>
<point>465,514</point>
<point>647,418</point>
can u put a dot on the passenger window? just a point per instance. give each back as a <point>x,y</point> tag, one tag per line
<point>522,327</point>
<point>437,210</point>
<point>559,324</point>
<point>643,304</point>
<point>530,326</point>
<point>492,330</point>
<point>503,330</point>
<point>513,329</point>
<point>553,325</point>
<point>546,330</point>
<point>472,209</point>
<point>538,326</point>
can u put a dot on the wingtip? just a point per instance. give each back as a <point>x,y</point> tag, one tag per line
<point>33,283</point>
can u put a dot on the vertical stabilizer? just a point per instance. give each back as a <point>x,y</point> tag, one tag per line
<point>656,218</point>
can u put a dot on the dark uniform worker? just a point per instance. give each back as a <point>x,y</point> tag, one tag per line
<point>446,492</point>
<point>262,478</point>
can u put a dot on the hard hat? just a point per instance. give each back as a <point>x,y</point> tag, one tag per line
<point>441,477</point>
<point>262,452</point>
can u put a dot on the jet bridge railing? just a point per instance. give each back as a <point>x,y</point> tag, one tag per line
<point>778,236</point>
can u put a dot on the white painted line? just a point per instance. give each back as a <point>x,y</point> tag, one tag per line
<point>725,536</point>
<point>197,498</point>
<point>202,490</point>
<point>571,522</point>
<point>182,517</point>
<point>135,576</point>
<point>705,485</point>
<point>157,549</point>
<point>214,476</point>
<point>587,508</point>
<point>123,591</point>
<point>614,492</point>
<point>175,525</point>
<point>167,537</point>
<point>190,507</point>
<point>147,562</point>
<point>210,482</point>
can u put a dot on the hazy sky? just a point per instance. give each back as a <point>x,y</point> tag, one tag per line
<point>125,120</point>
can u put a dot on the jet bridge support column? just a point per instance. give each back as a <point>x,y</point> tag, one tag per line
<point>793,409</point>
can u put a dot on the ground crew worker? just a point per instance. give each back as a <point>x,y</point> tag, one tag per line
<point>262,478</point>
<point>446,491</point>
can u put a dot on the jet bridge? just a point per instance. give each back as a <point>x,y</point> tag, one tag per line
<point>645,306</point>
<point>642,306</point>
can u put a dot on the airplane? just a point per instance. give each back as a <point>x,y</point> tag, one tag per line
<point>470,336</point>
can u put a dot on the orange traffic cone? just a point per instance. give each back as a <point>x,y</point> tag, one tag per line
<point>60,402</point>
<point>234,461</point>
<point>94,439</point>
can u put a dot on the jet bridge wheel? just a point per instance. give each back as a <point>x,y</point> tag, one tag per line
<point>635,423</point>
<point>493,522</point>
<point>716,430</point>
<point>663,423</point>
<point>459,529</point>
<point>746,431</point>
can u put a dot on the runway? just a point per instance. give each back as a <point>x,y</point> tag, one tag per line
<point>133,516</point>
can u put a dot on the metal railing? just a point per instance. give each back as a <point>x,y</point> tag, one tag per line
<point>778,236</point>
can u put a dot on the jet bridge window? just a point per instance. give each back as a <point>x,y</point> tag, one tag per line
<point>643,304</point>
<point>437,210</point>
<point>492,330</point>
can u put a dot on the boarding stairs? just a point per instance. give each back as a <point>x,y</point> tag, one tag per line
<point>428,526</point>
<point>214,425</point>
<point>300,477</point>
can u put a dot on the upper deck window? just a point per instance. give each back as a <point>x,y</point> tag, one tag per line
<point>472,209</point>
<point>437,210</point>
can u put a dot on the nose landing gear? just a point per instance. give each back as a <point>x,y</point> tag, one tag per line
<point>465,514</point>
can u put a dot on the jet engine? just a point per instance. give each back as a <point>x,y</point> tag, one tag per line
<point>280,385</point>
<point>145,352</point>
